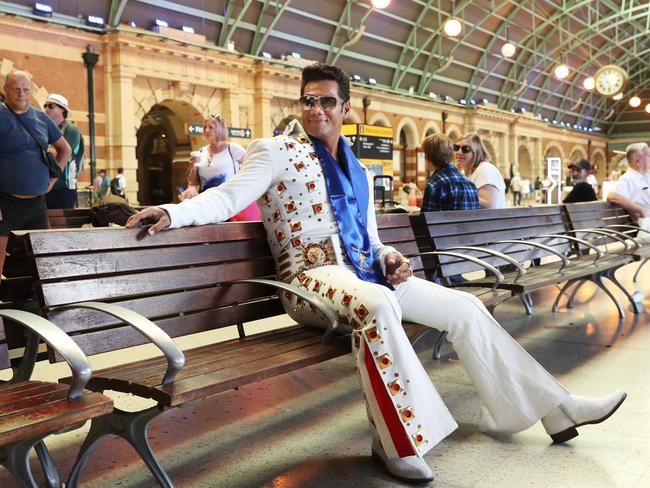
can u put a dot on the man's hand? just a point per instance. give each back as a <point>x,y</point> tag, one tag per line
<point>398,268</point>
<point>153,217</point>
<point>190,192</point>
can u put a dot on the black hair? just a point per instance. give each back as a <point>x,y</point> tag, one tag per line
<point>319,72</point>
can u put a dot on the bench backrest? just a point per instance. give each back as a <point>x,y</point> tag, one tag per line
<point>596,214</point>
<point>179,278</point>
<point>68,218</point>
<point>484,228</point>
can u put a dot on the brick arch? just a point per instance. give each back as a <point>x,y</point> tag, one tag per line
<point>380,118</point>
<point>430,127</point>
<point>555,148</point>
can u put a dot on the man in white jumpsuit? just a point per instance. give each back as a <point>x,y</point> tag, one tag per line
<point>316,205</point>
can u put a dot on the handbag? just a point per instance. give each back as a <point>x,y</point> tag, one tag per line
<point>111,213</point>
<point>48,158</point>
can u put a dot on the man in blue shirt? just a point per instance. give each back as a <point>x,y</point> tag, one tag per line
<point>24,175</point>
<point>446,189</point>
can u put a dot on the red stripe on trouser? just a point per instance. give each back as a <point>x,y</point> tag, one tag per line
<point>391,419</point>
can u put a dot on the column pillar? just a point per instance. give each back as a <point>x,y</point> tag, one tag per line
<point>121,127</point>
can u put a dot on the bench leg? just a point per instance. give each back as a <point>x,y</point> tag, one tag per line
<point>636,275</point>
<point>15,457</point>
<point>49,470</point>
<point>611,276</point>
<point>571,302</point>
<point>598,279</point>
<point>130,426</point>
<point>438,346</point>
<point>524,300</point>
<point>562,291</point>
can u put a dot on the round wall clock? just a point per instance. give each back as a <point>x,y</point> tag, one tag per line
<point>610,80</point>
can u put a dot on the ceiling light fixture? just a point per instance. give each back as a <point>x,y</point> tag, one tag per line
<point>589,83</point>
<point>453,26</point>
<point>508,49</point>
<point>380,3</point>
<point>647,108</point>
<point>635,102</point>
<point>618,96</point>
<point>561,71</point>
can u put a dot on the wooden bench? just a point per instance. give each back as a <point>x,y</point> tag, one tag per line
<point>32,410</point>
<point>513,237</point>
<point>617,231</point>
<point>184,280</point>
<point>68,218</point>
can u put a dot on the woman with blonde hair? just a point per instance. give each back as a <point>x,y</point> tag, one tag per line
<point>473,159</point>
<point>215,163</point>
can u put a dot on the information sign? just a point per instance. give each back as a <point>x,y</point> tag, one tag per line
<point>242,133</point>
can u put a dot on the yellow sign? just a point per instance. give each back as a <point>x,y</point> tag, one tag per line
<point>374,164</point>
<point>366,130</point>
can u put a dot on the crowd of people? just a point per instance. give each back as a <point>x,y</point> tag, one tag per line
<point>315,201</point>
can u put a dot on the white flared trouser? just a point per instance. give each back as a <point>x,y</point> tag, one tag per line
<point>403,405</point>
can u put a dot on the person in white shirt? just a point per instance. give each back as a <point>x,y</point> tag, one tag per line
<point>516,188</point>
<point>473,159</point>
<point>632,190</point>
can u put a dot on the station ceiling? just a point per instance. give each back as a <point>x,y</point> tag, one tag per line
<point>404,49</point>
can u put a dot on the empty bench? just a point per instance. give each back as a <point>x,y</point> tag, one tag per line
<point>32,410</point>
<point>513,237</point>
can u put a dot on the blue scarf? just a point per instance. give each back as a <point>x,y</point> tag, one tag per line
<point>347,187</point>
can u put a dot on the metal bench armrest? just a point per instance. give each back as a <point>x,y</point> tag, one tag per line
<point>175,357</point>
<point>60,342</point>
<point>520,269</point>
<point>628,226</point>
<point>318,303</point>
<point>565,260</point>
<point>601,232</point>
<point>498,275</point>
<point>599,253</point>
<point>622,235</point>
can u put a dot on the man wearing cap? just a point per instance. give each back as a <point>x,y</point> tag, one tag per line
<point>582,190</point>
<point>64,192</point>
<point>24,174</point>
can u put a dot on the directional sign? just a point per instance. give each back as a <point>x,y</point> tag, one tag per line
<point>242,133</point>
<point>194,129</point>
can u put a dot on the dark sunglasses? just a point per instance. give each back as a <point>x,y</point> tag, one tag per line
<point>50,105</point>
<point>464,149</point>
<point>326,103</point>
<point>217,117</point>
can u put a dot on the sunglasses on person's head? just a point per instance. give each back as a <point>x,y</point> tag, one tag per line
<point>217,117</point>
<point>464,149</point>
<point>50,105</point>
<point>326,103</point>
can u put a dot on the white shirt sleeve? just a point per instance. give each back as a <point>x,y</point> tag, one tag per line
<point>237,151</point>
<point>218,204</point>
<point>624,187</point>
<point>487,174</point>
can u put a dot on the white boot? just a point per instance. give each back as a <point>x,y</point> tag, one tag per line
<point>411,469</point>
<point>561,422</point>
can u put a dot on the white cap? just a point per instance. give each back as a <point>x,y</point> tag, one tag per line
<point>60,100</point>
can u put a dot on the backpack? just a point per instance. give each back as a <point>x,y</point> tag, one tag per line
<point>115,187</point>
<point>78,152</point>
<point>111,213</point>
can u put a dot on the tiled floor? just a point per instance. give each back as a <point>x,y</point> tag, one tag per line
<point>308,429</point>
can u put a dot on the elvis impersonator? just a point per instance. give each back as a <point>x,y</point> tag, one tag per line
<point>317,208</point>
